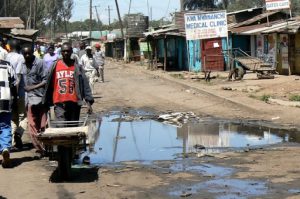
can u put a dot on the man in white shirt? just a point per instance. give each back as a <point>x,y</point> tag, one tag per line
<point>88,62</point>
<point>100,60</point>
<point>19,119</point>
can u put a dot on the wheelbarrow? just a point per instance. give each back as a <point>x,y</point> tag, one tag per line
<point>63,141</point>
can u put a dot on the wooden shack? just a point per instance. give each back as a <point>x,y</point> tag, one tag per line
<point>137,25</point>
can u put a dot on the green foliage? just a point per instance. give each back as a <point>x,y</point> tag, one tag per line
<point>294,98</point>
<point>265,97</point>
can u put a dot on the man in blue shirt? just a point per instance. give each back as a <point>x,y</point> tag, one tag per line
<point>34,76</point>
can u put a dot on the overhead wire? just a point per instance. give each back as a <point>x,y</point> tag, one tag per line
<point>167,9</point>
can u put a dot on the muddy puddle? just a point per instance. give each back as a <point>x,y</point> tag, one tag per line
<point>223,189</point>
<point>143,138</point>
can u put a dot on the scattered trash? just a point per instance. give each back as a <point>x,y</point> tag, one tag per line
<point>120,137</point>
<point>227,88</point>
<point>184,195</point>
<point>178,118</point>
<point>199,146</point>
<point>275,118</point>
<point>113,185</point>
<point>190,91</point>
<point>246,150</point>
<point>209,176</point>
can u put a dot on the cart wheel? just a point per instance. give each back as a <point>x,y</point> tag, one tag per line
<point>239,73</point>
<point>64,162</point>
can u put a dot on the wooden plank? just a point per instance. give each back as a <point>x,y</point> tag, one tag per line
<point>66,130</point>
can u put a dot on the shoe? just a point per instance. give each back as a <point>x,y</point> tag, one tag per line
<point>6,159</point>
<point>18,142</point>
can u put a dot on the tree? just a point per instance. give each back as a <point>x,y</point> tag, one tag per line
<point>200,4</point>
<point>66,13</point>
<point>242,4</point>
<point>295,7</point>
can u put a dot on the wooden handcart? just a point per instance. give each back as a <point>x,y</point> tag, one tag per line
<point>63,141</point>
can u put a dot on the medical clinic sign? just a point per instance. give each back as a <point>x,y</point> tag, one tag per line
<point>277,4</point>
<point>206,25</point>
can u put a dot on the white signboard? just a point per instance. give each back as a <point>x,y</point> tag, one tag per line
<point>111,36</point>
<point>277,4</point>
<point>206,25</point>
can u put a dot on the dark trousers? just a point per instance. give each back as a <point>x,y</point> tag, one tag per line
<point>68,111</point>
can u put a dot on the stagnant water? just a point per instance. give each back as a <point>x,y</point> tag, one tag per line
<point>150,140</point>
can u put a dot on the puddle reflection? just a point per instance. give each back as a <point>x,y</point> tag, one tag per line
<point>224,188</point>
<point>151,140</point>
<point>205,169</point>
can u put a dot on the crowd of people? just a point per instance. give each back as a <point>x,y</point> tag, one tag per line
<point>35,78</point>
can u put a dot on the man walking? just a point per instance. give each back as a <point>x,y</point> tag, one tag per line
<point>7,95</point>
<point>81,51</point>
<point>19,120</point>
<point>100,58</point>
<point>67,87</point>
<point>90,66</point>
<point>34,75</point>
<point>50,57</point>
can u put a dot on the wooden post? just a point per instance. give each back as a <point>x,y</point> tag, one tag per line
<point>165,53</point>
<point>151,57</point>
<point>155,52</point>
<point>91,17</point>
<point>149,66</point>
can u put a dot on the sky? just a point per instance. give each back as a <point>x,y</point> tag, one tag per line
<point>160,8</point>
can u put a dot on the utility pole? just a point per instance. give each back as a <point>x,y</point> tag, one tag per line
<point>129,7</point>
<point>91,17</point>
<point>98,18</point>
<point>148,8</point>
<point>120,20</point>
<point>109,9</point>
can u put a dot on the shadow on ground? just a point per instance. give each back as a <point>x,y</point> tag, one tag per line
<point>79,175</point>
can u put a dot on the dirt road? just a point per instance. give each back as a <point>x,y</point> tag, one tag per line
<point>271,172</point>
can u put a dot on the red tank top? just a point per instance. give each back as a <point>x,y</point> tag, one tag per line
<point>64,84</point>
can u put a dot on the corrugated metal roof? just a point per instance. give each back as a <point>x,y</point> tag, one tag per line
<point>161,31</point>
<point>245,10</point>
<point>281,26</point>
<point>11,22</point>
<point>23,32</point>
<point>256,18</point>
